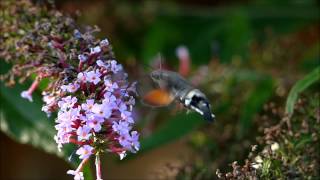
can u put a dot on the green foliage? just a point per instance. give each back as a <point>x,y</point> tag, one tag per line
<point>299,146</point>
<point>87,172</point>
<point>157,39</point>
<point>290,148</point>
<point>254,104</point>
<point>232,29</point>
<point>174,128</point>
<point>299,87</point>
<point>24,122</point>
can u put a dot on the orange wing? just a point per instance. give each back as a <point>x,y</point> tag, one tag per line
<point>158,97</point>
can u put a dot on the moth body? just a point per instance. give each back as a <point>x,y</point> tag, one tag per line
<point>182,91</point>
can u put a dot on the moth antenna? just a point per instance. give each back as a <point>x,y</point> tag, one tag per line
<point>150,67</point>
<point>146,66</point>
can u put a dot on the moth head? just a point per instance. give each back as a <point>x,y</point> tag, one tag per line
<point>197,101</point>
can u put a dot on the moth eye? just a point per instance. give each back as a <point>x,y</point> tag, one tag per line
<point>196,98</point>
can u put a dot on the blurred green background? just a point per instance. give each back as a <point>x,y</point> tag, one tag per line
<point>245,54</point>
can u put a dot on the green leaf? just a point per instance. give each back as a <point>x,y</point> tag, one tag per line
<point>173,129</point>
<point>299,87</point>
<point>87,172</point>
<point>24,122</point>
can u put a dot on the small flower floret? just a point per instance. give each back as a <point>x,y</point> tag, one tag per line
<point>95,50</point>
<point>77,175</point>
<point>83,133</point>
<point>26,95</point>
<point>85,151</point>
<point>93,77</point>
<point>82,58</point>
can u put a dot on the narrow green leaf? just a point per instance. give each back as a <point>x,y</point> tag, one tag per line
<point>299,87</point>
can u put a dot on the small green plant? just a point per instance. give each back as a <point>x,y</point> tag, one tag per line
<point>291,147</point>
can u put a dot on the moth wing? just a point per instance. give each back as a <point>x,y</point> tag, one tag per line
<point>157,98</point>
<point>151,93</point>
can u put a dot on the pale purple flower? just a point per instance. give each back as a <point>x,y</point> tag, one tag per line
<point>115,67</point>
<point>93,76</point>
<point>122,107</point>
<point>77,175</point>
<point>68,115</point>
<point>82,58</point>
<point>48,99</point>
<point>81,77</point>
<point>67,102</point>
<point>62,138</point>
<point>85,117</point>
<point>135,140</point>
<point>109,98</point>
<point>100,63</point>
<point>105,67</point>
<point>102,110</point>
<point>110,86</point>
<point>77,34</point>
<point>85,151</point>
<point>83,133</point>
<point>26,95</point>
<point>125,142</point>
<point>95,122</point>
<point>104,43</point>
<point>46,109</point>
<point>109,105</point>
<point>71,87</point>
<point>64,127</point>
<point>130,143</point>
<point>121,127</point>
<point>125,114</point>
<point>95,50</point>
<point>50,102</point>
<point>88,105</point>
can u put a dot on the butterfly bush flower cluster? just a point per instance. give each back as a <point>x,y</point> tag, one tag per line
<point>95,111</point>
<point>88,90</point>
<point>96,108</point>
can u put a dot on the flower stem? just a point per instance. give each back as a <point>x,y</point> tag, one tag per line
<point>98,167</point>
<point>83,162</point>
<point>33,86</point>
